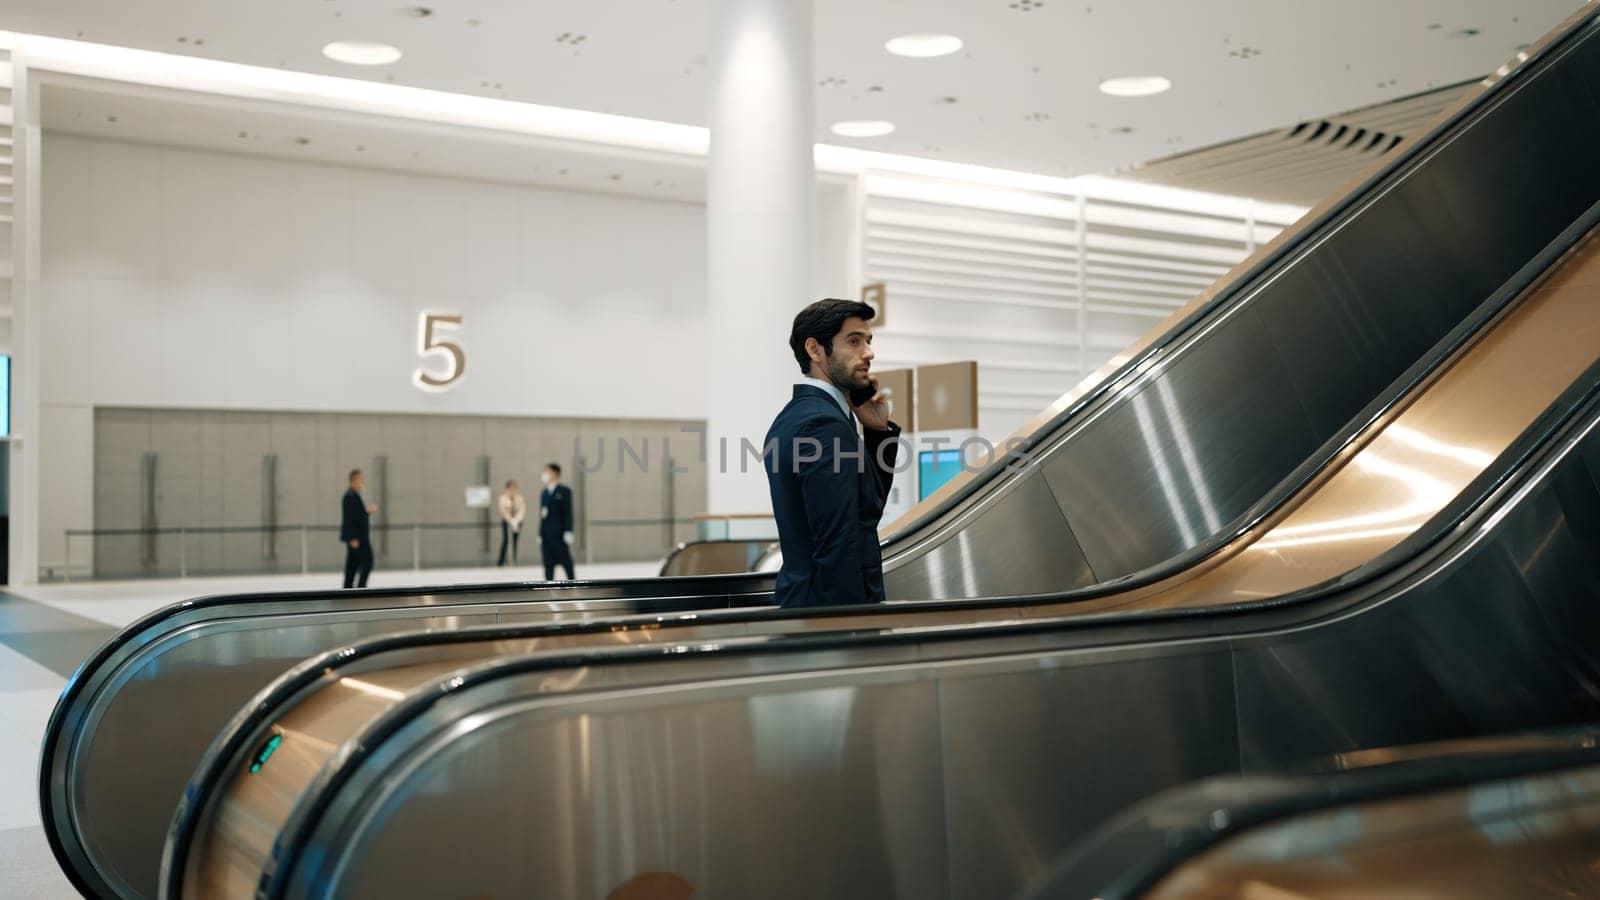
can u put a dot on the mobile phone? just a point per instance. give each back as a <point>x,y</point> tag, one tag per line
<point>861,395</point>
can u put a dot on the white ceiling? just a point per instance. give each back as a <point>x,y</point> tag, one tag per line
<point>1022,94</point>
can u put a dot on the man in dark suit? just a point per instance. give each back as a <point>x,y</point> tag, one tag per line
<point>828,482</point>
<point>356,532</point>
<point>555,523</point>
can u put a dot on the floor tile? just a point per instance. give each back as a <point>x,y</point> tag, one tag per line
<point>27,869</point>
<point>19,673</point>
<point>59,651</point>
<point>23,716</point>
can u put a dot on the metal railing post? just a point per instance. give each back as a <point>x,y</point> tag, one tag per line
<point>183,554</point>
<point>670,511</point>
<point>305,553</point>
<point>416,547</point>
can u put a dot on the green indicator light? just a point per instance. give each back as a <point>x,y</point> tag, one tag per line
<point>265,753</point>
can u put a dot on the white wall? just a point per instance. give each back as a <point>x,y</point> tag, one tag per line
<point>178,278</point>
<point>185,278</point>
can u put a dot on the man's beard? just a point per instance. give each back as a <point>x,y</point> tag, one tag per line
<point>844,379</point>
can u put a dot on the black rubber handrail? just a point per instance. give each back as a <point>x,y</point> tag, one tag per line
<point>1153,838</point>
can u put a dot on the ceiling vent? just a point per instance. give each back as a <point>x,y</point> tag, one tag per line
<point>1308,162</point>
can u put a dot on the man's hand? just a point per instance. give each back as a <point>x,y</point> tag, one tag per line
<point>355,543</point>
<point>567,537</point>
<point>372,508</point>
<point>874,413</point>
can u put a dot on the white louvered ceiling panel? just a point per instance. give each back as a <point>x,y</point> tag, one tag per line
<point>1011,279</point>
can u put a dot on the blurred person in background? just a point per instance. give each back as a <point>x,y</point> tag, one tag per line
<point>555,523</point>
<point>355,530</point>
<point>513,509</point>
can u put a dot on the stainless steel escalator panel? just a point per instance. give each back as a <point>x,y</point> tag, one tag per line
<point>1542,626</point>
<point>878,756</point>
<point>1039,768</point>
<point>1018,546</point>
<point>1187,454</point>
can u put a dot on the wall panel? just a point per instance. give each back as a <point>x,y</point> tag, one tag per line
<point>210,473</point>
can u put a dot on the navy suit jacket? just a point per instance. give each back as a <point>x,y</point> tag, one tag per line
<point>555,512</point>
<point>354,523</point>
<point>828,490</point>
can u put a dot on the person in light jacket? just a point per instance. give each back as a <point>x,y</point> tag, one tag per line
<point>513,509</point>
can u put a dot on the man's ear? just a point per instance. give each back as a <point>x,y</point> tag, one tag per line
<point>814,350</point>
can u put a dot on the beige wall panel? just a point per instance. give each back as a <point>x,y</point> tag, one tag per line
<point>947,396</point>
<point>245,439</point>
<point>211,464</point>
<point>122,437</point>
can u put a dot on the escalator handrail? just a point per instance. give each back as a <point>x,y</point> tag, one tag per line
<point>1522,467</point>
<point>1153,838</point>
<point>68,708</point>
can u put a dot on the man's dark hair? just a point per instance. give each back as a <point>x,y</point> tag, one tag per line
<point>511,482</point>
<point>554,467</point>
<point>354,473</point>
<point>823,320</point>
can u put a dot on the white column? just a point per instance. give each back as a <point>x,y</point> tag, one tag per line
<point>759,230</point>
<point>25,324</point>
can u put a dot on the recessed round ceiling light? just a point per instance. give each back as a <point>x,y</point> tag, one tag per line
<point>1135,86</point>
<point>863,129</point>
<point>923,46</point>
<point>361,53</point>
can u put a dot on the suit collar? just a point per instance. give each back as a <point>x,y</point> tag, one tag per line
<point>832,392</point>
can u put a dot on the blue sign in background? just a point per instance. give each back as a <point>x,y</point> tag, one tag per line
<point>934,468</point>
<point>5,396</point>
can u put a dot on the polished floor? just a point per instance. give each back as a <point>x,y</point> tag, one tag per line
<point>47,630</point>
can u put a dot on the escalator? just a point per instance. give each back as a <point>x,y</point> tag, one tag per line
<point>1470,608</point>
<point>1239,406</point>
<point>1514,816</point>
<point>716,557</point>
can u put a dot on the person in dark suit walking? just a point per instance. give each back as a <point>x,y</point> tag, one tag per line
<point>828,481</point>
<point>555,523</point>
<point>355,531</point>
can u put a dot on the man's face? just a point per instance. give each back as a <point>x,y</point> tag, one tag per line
<point>851,359</point>
<point>358,483</point>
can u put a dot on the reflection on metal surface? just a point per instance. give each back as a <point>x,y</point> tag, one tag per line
<point>1410,467</point>
<point>719,557</point>
<point>653,886</point>
<point>1531,837</point>
<point>373,690</point>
